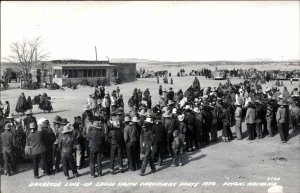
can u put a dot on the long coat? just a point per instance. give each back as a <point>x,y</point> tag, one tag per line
<point>96,139</point>
<point>34,139</point>
<point>250,115</point>
<point>8,140</point>
<point>21,104</point>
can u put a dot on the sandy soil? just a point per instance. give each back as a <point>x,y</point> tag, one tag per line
<point>265,160</point>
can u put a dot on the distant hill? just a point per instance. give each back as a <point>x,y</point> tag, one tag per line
<point>132,60</point>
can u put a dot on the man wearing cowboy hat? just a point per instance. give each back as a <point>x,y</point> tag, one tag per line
<point>66,144</point>
<point>35,142</point>
<point>198,127</point>
<point>295,116</point>
<point>250,121</point>
<point>96,139</point>
<point>281,117</point>
<point>169,126</point>
<point>27,120</point>
<point>147,140</point>
<point>136,124</point>
<point>142,114</point>
<point>170,94</point>
<point>78,141</point>
<point>189,118</point>
<point>157,149</point>
<point>270,117</point>
<point>238,120</point>
<point>131,138</point>
<point>57,129</point>
<point>207,123</point>
<point>8,143</point>
<point>116,140</point>
<point>258,118</point>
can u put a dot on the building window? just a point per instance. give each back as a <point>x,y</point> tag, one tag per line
<point>90,73</point>
<point>70,73</point>
<point>103,74</point>
<point>115,73</point>
<point>75,73</point>
<point>94,72</point>
<point>84,73</point>
<point>80,73</point>
<point>57,74</point>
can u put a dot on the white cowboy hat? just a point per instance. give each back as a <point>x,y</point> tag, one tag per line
<point>174,111</point>
<point>196,110</point>
<point>10,116</point>
<point>28,112</point>
<point>135,119</point>
<point>180,117</point>
<point>149,120</point>
<point>67,128</point>
<point>41,120</point>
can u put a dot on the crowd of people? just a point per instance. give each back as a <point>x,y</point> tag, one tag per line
<point>43,101</point>
<point>180,122</point>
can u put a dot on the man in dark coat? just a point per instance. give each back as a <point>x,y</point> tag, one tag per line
<point>198,127</point>
<point>66,144</point>
<point>258,118</point>
<point>169,127</point>
<point>207,116</point>
<point>147,140</point>
<point>116,139</point>
<point>157,150</point>
<point>8,143</point>
<point>131,138</point>
<point>281,117</point>
<point>189,120</point>
<point>35,142</point>
<point>57,129</point>
<point>170,94</point>
<point>78,141</point>
<point>27,120</point>
<point>48,138</point>
<point>96,139</point>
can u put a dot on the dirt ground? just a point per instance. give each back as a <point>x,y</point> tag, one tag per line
<point>237,166</point>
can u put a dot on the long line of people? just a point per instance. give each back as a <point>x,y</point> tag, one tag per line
<point>180,122</point>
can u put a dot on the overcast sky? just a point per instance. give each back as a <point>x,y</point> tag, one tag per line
<point>173,31</point>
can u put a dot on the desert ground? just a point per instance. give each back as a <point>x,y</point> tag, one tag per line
<point>237,166</point>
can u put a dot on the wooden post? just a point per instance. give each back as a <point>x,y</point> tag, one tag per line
<point>96,53</point>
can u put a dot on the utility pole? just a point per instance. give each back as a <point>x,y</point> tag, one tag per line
<point>96,52</point>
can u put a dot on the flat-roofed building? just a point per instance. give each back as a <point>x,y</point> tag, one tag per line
<point>76,71</point>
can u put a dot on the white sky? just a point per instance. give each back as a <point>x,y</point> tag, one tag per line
<point>170,31</point>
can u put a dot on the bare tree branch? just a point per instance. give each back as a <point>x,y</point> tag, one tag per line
<point>27,54</point>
